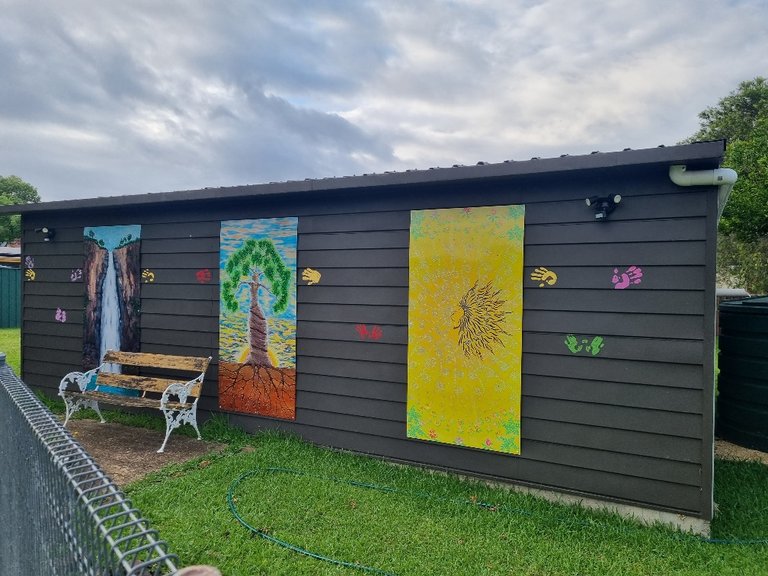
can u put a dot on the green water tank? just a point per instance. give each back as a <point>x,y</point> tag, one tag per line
<point>742,403</point>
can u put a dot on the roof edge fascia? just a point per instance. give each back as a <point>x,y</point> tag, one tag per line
<point>711,152</point>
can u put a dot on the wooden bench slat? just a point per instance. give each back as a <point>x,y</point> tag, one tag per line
<point>130,401</point>
<point>191,363</point>
<point>148,383</point>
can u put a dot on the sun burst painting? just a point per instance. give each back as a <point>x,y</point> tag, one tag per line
<point>257,333</point>
<point>465,311</point>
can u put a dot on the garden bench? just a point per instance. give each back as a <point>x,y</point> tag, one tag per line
<point>176,397</point>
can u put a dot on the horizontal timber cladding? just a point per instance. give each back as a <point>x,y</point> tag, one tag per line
<point>629,424</point>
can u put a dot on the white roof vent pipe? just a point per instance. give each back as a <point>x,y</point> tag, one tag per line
<point>725,178</point>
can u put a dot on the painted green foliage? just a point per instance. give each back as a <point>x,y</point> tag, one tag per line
<point>123,241</point>
<point>258,264</point>
<point>510,442</point>
<point>415,429</point>
<point>257,255</point>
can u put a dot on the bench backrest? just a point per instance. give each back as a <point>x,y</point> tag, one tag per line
<point>196,366</point>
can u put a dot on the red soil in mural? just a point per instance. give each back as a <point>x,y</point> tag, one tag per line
<point>261,390</point>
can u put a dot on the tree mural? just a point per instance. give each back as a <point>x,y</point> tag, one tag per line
<point>257,372</point>
<point>257,261</point>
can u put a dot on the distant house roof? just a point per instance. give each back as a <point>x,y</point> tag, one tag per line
<point>703,154</point>
<point>10,255</point>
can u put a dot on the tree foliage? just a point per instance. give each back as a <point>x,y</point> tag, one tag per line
<point>742,264</point>
<point>13,190</point>
<point>735,116</point>
<point>746,214</point>
<point>253,258</point>
<point>742,119</point>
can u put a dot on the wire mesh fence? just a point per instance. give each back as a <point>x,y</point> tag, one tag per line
<point>61,515</point>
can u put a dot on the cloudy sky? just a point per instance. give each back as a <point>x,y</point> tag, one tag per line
<point>107,98</point>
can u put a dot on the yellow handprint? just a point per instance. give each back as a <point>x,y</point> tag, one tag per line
<point>545,276</point>
<point>30,274</point>
<point>310,276</point>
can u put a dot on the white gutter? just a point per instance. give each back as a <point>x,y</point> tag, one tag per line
<point>724,178</point>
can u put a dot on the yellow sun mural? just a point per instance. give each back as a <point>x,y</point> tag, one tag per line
<point>465,313</point>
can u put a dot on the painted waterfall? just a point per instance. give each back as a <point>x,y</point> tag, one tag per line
<point>111,275</point>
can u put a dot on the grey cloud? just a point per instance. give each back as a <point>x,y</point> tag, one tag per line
<point>149,62</point>
<point>145,96</point>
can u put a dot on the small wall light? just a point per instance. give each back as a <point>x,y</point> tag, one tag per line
<point>603,205</point>
<point>48,233</point>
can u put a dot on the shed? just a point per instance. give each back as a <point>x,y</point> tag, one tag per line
<point>596,351</point>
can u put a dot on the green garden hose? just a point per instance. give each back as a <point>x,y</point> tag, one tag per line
<point>380,488</point>
<point>283,543</point>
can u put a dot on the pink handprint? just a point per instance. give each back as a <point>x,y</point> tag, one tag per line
<point>632,275</point>
<point>375,332</point>
<point>362,330</point>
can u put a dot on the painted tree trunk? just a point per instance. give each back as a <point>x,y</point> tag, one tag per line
<point>257,330</point>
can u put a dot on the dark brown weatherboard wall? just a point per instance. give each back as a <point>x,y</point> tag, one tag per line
<point>633,424</point>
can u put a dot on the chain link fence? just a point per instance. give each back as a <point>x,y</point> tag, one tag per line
<point>59,513</point>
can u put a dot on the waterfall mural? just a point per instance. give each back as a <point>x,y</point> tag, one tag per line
<point>111,275</point>
<point>257,326</point>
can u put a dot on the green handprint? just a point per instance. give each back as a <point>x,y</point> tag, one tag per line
<point>573,344</point>
<point>578,343</point>
<point>596,345</point>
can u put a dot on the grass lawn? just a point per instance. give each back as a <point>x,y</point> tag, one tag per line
<point>417,522</point>
<point>10,343</point>
<point>429,523</point>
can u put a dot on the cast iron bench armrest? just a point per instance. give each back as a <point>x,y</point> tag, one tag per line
<point>181,390</point>
<point>74,401</point>
<point>82,379</point>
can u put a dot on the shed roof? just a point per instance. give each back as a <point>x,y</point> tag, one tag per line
<point>704,154</point>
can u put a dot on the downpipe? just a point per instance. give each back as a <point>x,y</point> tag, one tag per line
<point>723,178</point>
